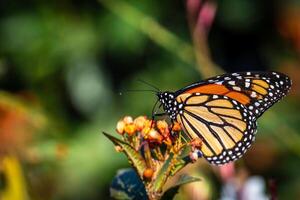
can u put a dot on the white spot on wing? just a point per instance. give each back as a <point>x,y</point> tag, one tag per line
<point>231,82</point>
<point>253,94</point>
<point>236,88</point>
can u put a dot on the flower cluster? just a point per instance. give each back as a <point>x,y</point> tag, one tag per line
<point>157,150</point>
<point>154,132</point>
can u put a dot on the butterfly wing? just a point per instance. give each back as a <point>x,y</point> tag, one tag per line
<point>224,125</point>
<point>222,111</point>
<point>256,90</point>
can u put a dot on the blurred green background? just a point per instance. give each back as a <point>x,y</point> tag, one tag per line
<point>64,63</point>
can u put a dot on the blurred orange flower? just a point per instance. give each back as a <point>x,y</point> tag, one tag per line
<point>289,25</point>
<point>155,132</point>
<point>176,127</point>
<point>140,122</point>
<point>128,120</point>
<point>155,136</point>
<point>18,121</point>
<point>130,129</point>
<point>120,127</point>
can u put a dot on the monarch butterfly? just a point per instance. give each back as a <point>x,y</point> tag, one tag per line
<point>222,111</point>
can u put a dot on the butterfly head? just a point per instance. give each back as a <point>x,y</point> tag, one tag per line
<point>169,103</point>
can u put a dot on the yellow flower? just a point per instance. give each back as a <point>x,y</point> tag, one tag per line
<point>162,126</point>
<point>154,136</point>
<point>176,127</point>
<point>147,127</point>
<point>140,122</point>
<point>16,183</point>
<point>127,120</point>
<point>120,127</point>
<point>130,129</point>
<point>196,143</point>
<point>145,131</point>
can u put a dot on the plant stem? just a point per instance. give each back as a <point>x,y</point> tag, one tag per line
<point>147,154</point>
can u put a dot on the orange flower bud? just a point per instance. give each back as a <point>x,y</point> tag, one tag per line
<point>147,127</point>
<point>149,123</point>
<point>118,148</point>
<point>145,132</point>
<point>128,120</point>
<point>140,122</point>
<point>148,173</point>
<point>130,129</point>
<point>153,135</point>
<point>196,143</point>
<point>120,127</point>
<point>176,127</point>
<point>162,126</point>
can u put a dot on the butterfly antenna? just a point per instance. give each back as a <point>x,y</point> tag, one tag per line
<point>153,113</point>
<point>136,90</point>
<point>149,84</point>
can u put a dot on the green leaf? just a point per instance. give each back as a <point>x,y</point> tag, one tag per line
<point>184,179</point>
<point>178,166</point>
<point>136,159</point>
<point>173,190</point>
<point>163,174</point>
<point>182,160</point>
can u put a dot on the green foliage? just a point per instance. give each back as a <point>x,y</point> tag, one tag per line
<point>172,191</point>
<point>135,158</point>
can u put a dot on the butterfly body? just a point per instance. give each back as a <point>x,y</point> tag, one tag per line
<point>170,105</point>
<point>222,111</point>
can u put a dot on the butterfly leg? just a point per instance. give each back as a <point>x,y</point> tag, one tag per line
<point>173,134</point>
<point>157,115</point>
